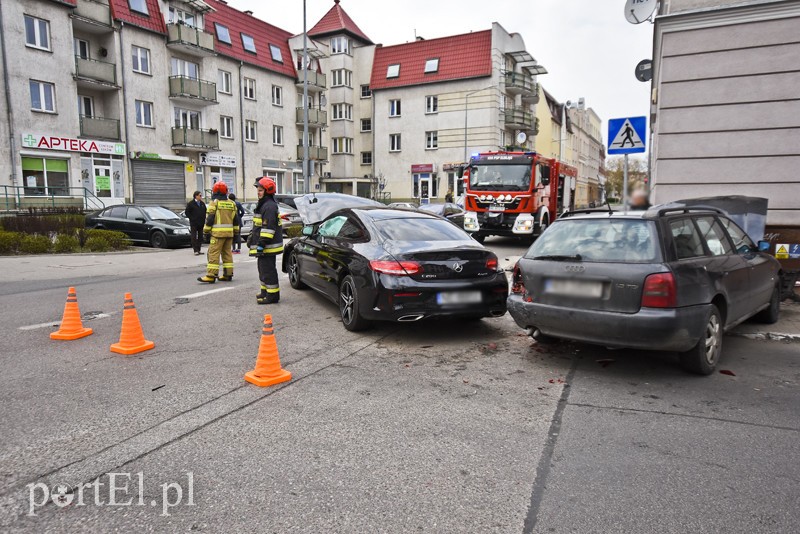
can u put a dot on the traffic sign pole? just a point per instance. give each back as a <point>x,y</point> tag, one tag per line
<point>625,186</point>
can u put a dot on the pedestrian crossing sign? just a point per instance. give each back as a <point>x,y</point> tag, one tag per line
<point>627,136</point>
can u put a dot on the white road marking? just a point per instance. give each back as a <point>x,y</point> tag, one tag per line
<point>204,293</point>
<point>58,323</point>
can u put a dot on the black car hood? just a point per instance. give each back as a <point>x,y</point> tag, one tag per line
<point>315,207</point>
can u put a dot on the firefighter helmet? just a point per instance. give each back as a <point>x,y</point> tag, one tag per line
<point>220,188</point>
<point>268,184</point>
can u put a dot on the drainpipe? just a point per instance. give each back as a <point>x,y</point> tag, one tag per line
<point>9,108</point>
<point>241,136</point>
<point>125,110</point>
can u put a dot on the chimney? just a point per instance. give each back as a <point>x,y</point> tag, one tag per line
<point>248,12</point>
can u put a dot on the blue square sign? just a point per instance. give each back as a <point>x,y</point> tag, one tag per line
<point>627,136</point>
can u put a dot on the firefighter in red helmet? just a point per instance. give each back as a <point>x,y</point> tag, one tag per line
<point>266,240</point>
<point>222,224</point>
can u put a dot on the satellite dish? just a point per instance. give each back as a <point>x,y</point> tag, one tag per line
<point>521,137</point>
<point>644,70</point>
<point>638,11</point>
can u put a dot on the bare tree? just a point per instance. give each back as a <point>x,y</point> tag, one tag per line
<point>637,175</point>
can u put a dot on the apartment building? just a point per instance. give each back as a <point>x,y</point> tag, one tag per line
<point>148,100</point>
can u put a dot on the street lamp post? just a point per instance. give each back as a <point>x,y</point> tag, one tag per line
<point>306,177</point>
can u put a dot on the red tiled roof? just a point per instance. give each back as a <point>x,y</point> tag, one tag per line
<point>263,35</point>
<point>337,21</point>
<point>460,56</point>
<point>121,10</point>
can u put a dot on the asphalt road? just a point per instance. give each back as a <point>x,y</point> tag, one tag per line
<point>437,426</point>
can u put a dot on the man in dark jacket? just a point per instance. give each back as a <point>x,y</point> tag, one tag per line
<point>267,236</point>
<point>196,213</point>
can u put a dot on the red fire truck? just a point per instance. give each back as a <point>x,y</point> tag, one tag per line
<point>515,193</point>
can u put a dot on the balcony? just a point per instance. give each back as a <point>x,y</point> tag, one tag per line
<point>314,152</point>
<point>183,88</point>
<point>190,40</point>
<point>519,118</point>
<point>316,117</point>
<point>195,139</point>
<point>316,82</point>
<point>95,74</point>
<point>98,127</point>
<point>531,98</point>
<point>92,16</point>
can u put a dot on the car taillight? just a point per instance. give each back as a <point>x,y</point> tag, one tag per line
<point>285,217</point>
<point>659,291</point>
<point>517,286</point>
<point>395,268</point>
<point>491,263</point>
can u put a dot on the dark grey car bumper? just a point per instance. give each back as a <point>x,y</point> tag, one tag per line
<point>672,329</point>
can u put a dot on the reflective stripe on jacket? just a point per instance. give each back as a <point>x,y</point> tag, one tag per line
<point>270,235</point>
<point>222,218</point>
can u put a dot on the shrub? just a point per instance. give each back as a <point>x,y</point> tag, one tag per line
<point>64,223</point>
<point>9,242</point>
<point>113,239</point>
<point>294,231</point>
<point>35,244</point>
<point>66,243</point>
<point>96,244</point>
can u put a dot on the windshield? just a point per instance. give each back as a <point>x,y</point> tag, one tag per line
<point>156,213</point>
<point>500,178</point>
<point>597,240</point>
<point>420,229</point>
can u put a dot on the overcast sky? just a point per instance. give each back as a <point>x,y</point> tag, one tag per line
<point>587,46</point>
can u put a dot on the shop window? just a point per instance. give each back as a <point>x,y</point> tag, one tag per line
<point>45,176</point>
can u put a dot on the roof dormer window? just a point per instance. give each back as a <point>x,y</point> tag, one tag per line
<point>139,6</point>
<point>223,34</point>
<point>248,43</point>
<point>393,71</point>
<point>432,65</point>
<point>276,53</point>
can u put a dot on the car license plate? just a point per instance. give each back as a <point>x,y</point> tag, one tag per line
<point>459,297</point>
<point>497,207</point>
<point>573,288</point>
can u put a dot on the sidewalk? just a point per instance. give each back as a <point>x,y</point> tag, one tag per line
<point>786,329</point>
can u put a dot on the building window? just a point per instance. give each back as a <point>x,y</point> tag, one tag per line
<point>82,48</point>
<point>187,118</point>
<point>37,33</point>
<point>144,113</point>
<point>223,34</point>
<point>178,16</point>
<point>86,106</point>
<point>225,82</point>
<point>140,6</point>
<point>342,112</point>
<point>394,143</point>
<point>340,45</point>
<point>249,88</point>
<point>43,96</point>
<point>141,59</point>
<point>248,43</point>
<point>276,53</point>
<point>431,104</point>
<point>394,108</point>
<point>366,125</point>
<point>431,140</point>
<point>393,71</point>
<point>277,95</point>
<point>366,92</point>
<point>342,145</point>
<point>181,67</point>
<point>45,176</point>
<point>366,158</point>
<point>342,77</point>
<point>432,65</point>
<point>277,135</point>
<point>226,127</point>
<point>251,131</point>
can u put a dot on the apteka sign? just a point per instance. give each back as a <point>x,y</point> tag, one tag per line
<point>71,144</point>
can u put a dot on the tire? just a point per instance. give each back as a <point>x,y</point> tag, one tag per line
<point>543,225</point>
<point>348,306</point>
<point>703,357</point>
<point>771,314</point>
<point>158,239</point>
<point>293,270</point>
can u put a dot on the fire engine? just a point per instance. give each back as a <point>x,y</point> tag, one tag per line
<point>515,193</point>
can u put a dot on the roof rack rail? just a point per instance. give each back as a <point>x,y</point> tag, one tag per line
<point>587,210</point>
<point>683,208</point>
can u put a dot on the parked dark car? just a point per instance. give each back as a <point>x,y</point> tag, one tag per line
<point>156,225</point>
<point>378,263</point>
<point>448,210</point>
<point>671,278</point>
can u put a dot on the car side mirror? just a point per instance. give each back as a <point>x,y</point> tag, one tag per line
<point>460,172</point>
<point>139,219</point>
<point>763,246</point>
<point>308,230</point>
<point>545,175</point>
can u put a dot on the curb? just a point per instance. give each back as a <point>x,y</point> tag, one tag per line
<point>767,336</point>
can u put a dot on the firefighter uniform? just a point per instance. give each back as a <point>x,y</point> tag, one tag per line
<point>268,244</point>
<point>222,223</point>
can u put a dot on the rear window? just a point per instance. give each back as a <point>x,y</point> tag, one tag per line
<point>612,240</point>
<point>419,229</point>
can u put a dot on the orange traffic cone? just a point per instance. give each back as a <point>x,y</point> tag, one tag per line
<point>71,324</point>
<point>268,370</point>
<point>131,338</point>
